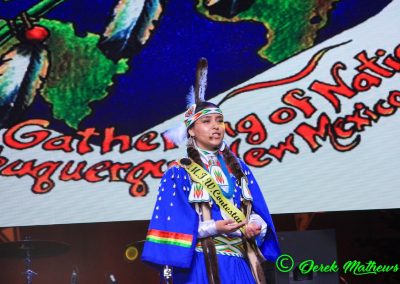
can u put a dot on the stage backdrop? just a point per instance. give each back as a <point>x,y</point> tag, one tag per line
<point>310,92</point>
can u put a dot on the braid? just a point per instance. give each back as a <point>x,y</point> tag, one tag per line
<point>232,163</point>
<point>194,155</point>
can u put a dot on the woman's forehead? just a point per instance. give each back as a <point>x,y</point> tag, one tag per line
<point>212,115</point>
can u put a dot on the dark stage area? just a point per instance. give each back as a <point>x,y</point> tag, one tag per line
<point>98,250</point>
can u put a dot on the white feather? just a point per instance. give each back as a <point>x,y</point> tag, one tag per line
<point>203,84</point>
<point>11,81</point>
<point>126,14</point>
<point>177,135</point>
<point>190,98</point>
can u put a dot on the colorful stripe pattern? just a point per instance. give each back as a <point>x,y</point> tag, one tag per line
<point>226,246</point>
<point>190,119</point>
<point>169,238</point>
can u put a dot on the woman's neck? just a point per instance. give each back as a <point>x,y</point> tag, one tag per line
<point>205,151</point>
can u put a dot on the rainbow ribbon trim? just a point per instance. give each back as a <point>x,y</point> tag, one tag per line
<point>169,238</point>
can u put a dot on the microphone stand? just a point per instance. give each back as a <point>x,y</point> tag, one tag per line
<point>167,274</point>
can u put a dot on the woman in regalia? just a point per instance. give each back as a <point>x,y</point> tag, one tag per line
<point>196,229</point>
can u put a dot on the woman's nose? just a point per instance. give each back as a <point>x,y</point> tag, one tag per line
<point>215,125</point>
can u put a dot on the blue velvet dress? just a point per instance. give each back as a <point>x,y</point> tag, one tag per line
<point>172,236</point>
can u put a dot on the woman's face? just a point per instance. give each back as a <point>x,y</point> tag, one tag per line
<point>208,131</point>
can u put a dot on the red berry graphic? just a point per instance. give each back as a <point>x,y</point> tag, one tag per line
<point>37,34</point>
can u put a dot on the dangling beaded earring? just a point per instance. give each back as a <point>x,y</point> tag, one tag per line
<point>190,142</point>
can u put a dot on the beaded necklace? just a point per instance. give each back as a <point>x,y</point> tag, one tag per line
<point>217,168</point>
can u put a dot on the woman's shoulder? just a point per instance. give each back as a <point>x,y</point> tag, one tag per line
<point>175,165</point>
<point>175,177</point>
<point>174,169</point>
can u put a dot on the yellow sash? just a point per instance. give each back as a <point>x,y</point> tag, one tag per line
<point>200,175</point>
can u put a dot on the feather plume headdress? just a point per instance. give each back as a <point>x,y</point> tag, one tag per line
<point>196,95</point>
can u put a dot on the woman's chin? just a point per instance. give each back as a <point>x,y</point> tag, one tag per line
<point>216,145</point>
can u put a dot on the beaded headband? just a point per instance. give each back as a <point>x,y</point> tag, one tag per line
<point>191,117</point>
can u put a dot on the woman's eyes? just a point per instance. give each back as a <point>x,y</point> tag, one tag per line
<point>207,120</point>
